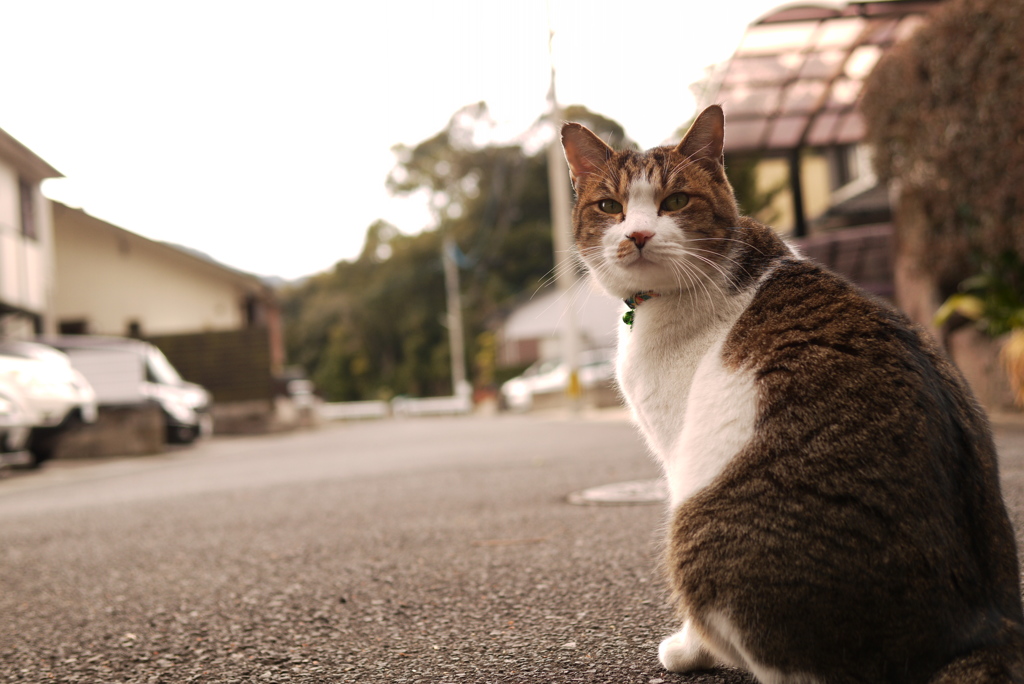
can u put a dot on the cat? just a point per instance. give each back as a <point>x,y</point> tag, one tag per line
<point>834,493</point>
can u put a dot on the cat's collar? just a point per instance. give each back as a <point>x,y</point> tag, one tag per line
<point>635,301</point>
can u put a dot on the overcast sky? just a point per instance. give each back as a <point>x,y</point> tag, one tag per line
<point>261,133</point>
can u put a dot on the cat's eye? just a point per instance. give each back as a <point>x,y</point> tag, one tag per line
<point>675,202</point>
<point>610,206</point>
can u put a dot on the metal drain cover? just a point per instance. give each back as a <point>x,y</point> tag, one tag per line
<point>622,493</point>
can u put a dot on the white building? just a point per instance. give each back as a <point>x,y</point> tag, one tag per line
<point>533,330</point>
<point>26,242</point>
<point>111,281</point>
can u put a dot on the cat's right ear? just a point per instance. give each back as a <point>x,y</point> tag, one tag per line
<point>585,152</point>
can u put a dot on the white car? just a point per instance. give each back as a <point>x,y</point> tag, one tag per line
<point>126,371</point>
<point>186,405</point>
<point>14,427</point>
<point>550,376</point>
<point>54,395</point>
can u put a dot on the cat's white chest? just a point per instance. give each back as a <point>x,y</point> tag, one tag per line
<point>719,422</point>
<point>695,413</point>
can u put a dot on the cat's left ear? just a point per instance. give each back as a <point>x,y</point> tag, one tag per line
<point>704,143</point>
<point>585,152</point>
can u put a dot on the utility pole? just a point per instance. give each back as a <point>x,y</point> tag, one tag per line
<point>460,387</point>
<point>561,220</point>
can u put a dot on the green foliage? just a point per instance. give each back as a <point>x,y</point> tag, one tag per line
<point>374,328</point>
<point>369,328</point>
<point>608,130</point>
<point>994,298</point>
<point>742,172</point>
<point>943,110</point>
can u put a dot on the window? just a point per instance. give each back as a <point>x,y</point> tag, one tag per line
<point>28,214</point>
<point>850,163</point>
<point>253,311</point>
<point>74,327</point>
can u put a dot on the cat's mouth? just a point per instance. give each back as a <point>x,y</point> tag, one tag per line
<point>629,253</point>
<point>638,258</point>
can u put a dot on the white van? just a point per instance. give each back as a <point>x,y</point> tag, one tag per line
<point>124,371</point>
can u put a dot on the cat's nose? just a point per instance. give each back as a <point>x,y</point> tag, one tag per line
<point>639,237</point>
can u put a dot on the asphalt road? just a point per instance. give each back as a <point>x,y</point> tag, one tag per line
<point>431,550</point>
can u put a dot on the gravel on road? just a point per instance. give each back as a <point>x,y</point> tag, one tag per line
<point>439,550</point>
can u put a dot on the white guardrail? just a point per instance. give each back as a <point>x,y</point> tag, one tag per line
<point>400,407</point>
<point>355,410</point>
<point>431,406</point>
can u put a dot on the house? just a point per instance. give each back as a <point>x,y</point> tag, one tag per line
<point>791,92</point>
<point>218,326</point>
<point>26,242</point>
<point>111,281</point>
<point>534,329</point>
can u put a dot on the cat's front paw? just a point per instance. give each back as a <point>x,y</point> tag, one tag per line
<point>684,652</point>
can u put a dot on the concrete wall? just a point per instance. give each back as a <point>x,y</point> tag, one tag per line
<point>111,278</point>
<point>118,431</point>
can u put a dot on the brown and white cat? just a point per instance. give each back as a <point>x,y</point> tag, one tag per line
<point>835,501</point>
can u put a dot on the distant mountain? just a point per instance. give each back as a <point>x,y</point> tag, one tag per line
<point>277,282</point>
<point>273,282</point>
<point>198,254</point>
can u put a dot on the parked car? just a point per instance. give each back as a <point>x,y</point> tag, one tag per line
<point>125,371</point>
<point>54,395</point>
<point>550,376</point>
<point>15,427</point>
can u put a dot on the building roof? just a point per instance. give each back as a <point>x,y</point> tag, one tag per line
<point>27,162</point>
<point>182,254</point>
<point>795,79</point>
<point>543,316</point>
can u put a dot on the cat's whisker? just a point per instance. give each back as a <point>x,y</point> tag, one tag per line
<point>732,279</point>
<point>559,270</point>
<point>693,276</point>
<point>685,256</point>
<point>728,277</point>
<point>691,290</point>
<point>697,273</point>
<point>572,292</point>
<point>722,239</point>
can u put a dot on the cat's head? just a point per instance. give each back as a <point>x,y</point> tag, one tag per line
<point>656,220</point>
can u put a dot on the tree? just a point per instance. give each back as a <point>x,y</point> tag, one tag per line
<point>943,111</point>
<point>608,130</point>
<point>373,327</point>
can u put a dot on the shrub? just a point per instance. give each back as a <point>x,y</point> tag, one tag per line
<point>945,112</point>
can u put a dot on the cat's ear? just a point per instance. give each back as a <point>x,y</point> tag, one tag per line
<point>585,152</point>
<point>704,143</point>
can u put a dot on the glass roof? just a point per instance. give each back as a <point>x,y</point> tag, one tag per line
<point>796,77</point>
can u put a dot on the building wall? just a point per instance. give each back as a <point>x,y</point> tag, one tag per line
<point>534,329</point>
<point>111,278</point>
<point>25,265</point>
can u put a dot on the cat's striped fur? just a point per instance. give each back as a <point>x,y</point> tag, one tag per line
<point>836,511</point>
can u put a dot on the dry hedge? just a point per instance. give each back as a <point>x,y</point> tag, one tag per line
<point>945,112</point>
